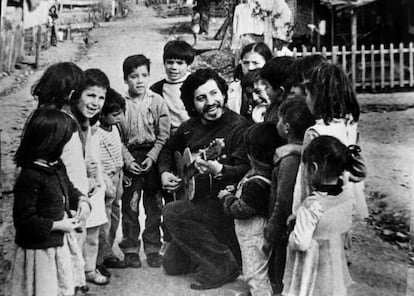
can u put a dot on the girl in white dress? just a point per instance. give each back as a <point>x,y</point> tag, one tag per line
<point>316,263</point>
<point>332,101</point>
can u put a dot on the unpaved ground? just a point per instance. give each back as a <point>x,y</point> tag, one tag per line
<point>378,267</point>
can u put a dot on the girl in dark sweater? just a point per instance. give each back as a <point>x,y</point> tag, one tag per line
<point>48,260</point>
<point>249,205</point>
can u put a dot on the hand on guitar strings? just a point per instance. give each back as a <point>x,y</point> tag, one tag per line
<point>170,182</point>
<point>212,167</point>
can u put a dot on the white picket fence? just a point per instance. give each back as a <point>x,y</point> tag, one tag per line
<point>372,69</point>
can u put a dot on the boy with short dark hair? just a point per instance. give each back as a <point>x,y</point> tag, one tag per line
<point>113,158</point>
<point>293,119</point>
<point>178,56</point>
<point>144,130</point>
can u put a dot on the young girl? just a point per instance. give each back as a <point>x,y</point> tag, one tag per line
<point>275,80</point>
<point>249,206</point>
<point>57,84</point>
<point>332,101</point>
<point>316,263</point>
<point>48,260</point>
<point>253,56</point>
<point>82,157</point>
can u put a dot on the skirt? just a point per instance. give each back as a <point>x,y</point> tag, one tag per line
<point>48,272</point>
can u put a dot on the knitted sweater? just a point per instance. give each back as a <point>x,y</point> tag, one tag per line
<point>41,196</point>
<point>171,93</point>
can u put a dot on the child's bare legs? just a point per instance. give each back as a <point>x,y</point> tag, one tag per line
<point>90,254</point>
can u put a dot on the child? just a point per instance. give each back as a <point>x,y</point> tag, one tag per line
<point>178,56</point>
<point>253,56</point>
<point>57,85</point>
<point>195,24</point>
<point>48,260</point>
<point>144,131</point>
<point>275,75</point>
<point>316,263</point>
<point>332,101</point>
<point>249,205</point>
<point>84,165</point>
<point>251,94</point>
<point>112,156</point>
<point>294,119</point>
<point>302,70</point>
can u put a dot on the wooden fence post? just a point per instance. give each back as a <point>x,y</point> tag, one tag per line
<point>411,63</point>
<point>401,52</point>
<point>353,65</point>
<point>11,52</point>
<point>324,52</point>
<point>392,65</point>
<point>334,55</point>
<point>363,66</point>
<point>382,66</point>
<point>38,45</point>
<point>295,52</point>
<point>372,67</point>
<point>344,58</point>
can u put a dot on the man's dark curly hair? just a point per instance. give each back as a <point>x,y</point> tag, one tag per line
<point>194,81</point>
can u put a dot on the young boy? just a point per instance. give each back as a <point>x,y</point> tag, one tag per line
<point>178,56</point>
<point>145,130</point>
<point>249,205</point>
<point>293,119</point>
<point>113,157</point>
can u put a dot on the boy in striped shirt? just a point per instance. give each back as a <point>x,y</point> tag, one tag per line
<point>113,156</point>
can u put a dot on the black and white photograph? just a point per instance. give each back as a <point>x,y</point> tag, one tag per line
<point>206,147</point>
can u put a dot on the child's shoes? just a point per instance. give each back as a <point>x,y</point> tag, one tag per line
<point>95,277</point>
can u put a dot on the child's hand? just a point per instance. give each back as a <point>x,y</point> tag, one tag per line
<point>134,168</point>
<point>223,193</point>
<point>110,190</point>
<point>66,225</point>
<point>146,164</point>
<point>83,212</point>
<point>93,186</point>
<point>92,168</point>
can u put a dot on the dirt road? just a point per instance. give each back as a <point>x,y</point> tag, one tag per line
<point>378,268</point>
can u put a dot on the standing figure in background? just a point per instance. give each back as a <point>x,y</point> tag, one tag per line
<point>51,21</point>
<point>195,24</point>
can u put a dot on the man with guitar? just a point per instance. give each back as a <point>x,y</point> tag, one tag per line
<point>203,238</point>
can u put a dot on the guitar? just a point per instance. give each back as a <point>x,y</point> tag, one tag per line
<point>187,171</point>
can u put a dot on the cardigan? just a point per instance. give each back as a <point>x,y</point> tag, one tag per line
<point>42,195</point>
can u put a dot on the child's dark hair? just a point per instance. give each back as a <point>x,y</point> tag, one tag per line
<point>46,133</point>
<point>333,94</point>
<point>57,83</point>
<point>133,62</point>
<point>180,50</point>
<point>277,72</point>
<point>259,47</point>
<point>114,102</point>
<point>194,81</point>
<point>93,77</point>
<point>261,141</point>
<point>302,68</point>
<point>248,80</point>
<point>295,112</point>
<point>331,156</point>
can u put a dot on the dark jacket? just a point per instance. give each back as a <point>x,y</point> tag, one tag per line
<point>281,196</point>
<point>41,196</point>
<point>254,198</point>
<point>157,87</point>
<point>195,135</point>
